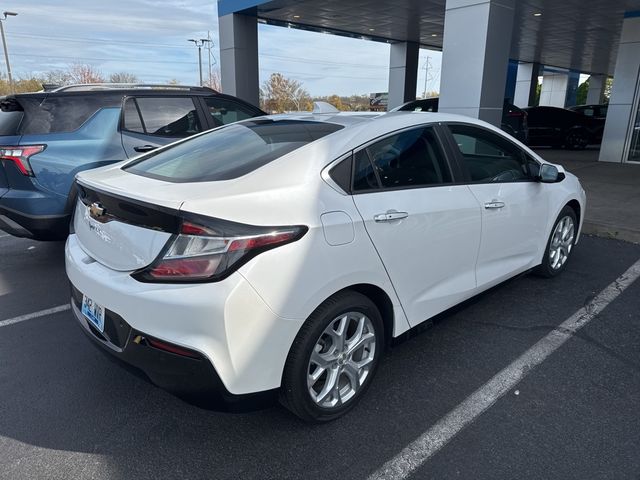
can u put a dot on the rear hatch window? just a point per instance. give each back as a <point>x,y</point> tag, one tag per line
<point>55,114</point>
<point>231,151</point>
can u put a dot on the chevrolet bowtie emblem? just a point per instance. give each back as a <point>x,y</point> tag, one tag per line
<point>96,210</point>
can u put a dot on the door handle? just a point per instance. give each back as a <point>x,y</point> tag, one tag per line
<point>390,216</point>
<point>144,148</point>
<point>494,204</point>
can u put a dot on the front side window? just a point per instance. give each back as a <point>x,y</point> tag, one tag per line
<point>408,159</point>
<point>231,151</point>
<point>162,116</point>
<point>488,157</point>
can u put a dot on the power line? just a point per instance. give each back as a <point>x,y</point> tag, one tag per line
<point>133,60</point>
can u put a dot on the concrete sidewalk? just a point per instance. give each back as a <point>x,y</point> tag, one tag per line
<point>613,192</point>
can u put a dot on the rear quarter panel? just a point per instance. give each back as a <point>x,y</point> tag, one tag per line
<point>94,144</point>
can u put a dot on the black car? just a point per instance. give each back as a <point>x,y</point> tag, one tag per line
<point>593,111</point>
<point>514,119</point>
<point>560,127</point>
<point>48,137</point>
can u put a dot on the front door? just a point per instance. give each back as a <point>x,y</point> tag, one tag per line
<point>514,206</point>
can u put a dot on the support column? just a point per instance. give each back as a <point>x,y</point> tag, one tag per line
<point>621,114</point>
<point>239,56</point>
<point>571,96</point>
<point>526,84</point>
<point>403,73</point>
<point>554,89</point>
<point>595,94</point>
<point>475,55</point>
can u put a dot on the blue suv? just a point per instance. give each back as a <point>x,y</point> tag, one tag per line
<point>48,137</point>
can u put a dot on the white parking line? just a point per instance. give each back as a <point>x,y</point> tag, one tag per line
<point>29,316</point>
<point>431,441</point>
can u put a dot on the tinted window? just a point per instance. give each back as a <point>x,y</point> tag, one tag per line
<point>132,120</point>
<point>231,151</point>
<point>225,111</point>
<point>364,178</point>
<point>488,157</point>
<point>168,117</point>
<point>410,158</point>
<point>9,122</point>
<point>60,114</point>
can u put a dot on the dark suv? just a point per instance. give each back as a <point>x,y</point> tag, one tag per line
<point>48,137</point>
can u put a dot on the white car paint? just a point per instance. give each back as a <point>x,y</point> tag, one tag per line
<point>448,249</point>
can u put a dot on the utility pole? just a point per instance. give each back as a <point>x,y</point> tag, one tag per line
<point>4,45</point>
<point>199,43</point>
<point>426,75</point>
<point>209,46</point>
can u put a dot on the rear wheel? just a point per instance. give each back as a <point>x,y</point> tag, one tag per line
<point>333,358</point>
<point>560,244</point>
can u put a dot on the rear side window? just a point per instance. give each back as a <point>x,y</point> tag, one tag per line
<point>230,152</point>
<point>162,116</point>
<point>61,113</point>
<point>409,159</point>
<point>225,111</point>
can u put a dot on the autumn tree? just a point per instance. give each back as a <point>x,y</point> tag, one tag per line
<point>85,73</point>
<point>281,94</point>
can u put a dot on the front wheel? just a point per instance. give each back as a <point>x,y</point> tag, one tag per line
<point>560,244</point>
<point>333,358</point>
<point>577,139</point>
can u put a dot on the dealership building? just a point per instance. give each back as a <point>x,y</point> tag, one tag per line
<point>491,50</point>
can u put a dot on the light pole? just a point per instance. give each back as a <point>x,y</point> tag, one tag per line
<point>4,45</point>
<point>199,44</point>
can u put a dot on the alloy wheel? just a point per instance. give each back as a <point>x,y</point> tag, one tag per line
<point>561,242</point>
<point>341,360</point>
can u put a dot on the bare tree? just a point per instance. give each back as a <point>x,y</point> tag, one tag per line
<point>215,81</point>
<point>57,77</point>
<point>85,73</point>
<point>123,77</point>
<point>281,94</point>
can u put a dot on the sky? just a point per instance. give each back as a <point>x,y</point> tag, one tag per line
<point>149,39</point>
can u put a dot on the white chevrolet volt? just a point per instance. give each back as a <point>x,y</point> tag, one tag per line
<point>277,257</point>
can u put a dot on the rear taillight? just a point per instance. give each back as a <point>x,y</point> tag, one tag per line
<point>208,250</point>
<point>20,156</point>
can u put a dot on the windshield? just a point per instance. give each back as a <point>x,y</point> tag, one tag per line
<point>230,152</point>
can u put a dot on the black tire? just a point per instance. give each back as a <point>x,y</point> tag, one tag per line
<point>576,139</point>
<point>295,394</point>
<point>546,268</point>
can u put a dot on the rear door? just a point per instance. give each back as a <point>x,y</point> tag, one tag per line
<point>149,122</point>
<point>425,228</point>
<point>514,205</point>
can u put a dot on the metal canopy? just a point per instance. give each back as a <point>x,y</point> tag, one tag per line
<point>579,35</point>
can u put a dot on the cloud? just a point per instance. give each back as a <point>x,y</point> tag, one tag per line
<point>149,39</point>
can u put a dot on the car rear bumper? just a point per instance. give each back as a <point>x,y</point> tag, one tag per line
<point>39,227</point>
<point>241,343</point>
<point>188,375</point>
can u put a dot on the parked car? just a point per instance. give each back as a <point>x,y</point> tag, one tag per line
<point>278,256</point>
<point>47,138</point>
<point>593,111</point>
<point>559,127</point>
<point>514,119</point>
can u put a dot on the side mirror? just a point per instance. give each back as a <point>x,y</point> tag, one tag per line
<point>550,174</point>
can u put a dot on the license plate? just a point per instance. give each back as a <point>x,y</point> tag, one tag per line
<point>93,312</point>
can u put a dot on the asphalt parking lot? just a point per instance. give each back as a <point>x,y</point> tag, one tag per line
<point>68,412</point>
